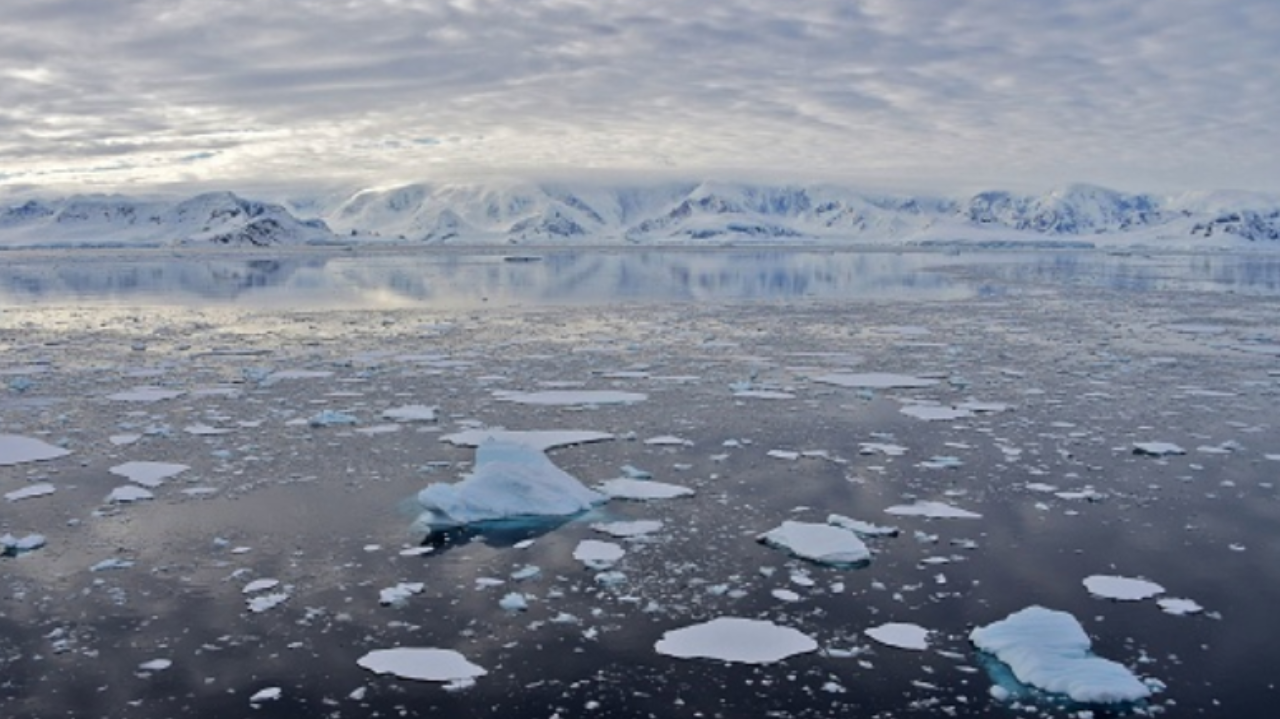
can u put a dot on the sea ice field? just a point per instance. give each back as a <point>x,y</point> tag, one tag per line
<point>639,484</point>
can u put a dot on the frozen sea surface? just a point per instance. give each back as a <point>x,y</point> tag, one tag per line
<point>1065,364</point>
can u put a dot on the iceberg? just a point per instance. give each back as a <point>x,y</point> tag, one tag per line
<point>1049,649</point>
<point>734,639</point>
<point>510,480</point>
<point>822,543</point>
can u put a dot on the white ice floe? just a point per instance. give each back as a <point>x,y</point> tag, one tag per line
<point>15,449</point>
<point>935,412</point>
<point>668,440</point>
<point>263,602</point>
<point>1122,589</point>
<point>541,440</point>
<point>597,554</point>
<point>641,489</point>
<point>821,543</point>
<point>860,528</point>
<point>13,545</point>
<point>332,418</point>
<point>398,596</point>
<point>122,440</point>
<point>1050,650</point>
<point>422,664</point>
<point>1180,607</point>
<point>887,449</point>
<point>900,635</point>
<point>932,510</point>
<point>296,374</point>
<point>411,413</point>
<point>260,585</point>
<point>875,380</point>
<point>146,394</point>
<point>984,407</point>
<point>1157,449</point>
<point>32,491</point>
<point>269,694</point>
<point>637,528</point>
<point>735,639</point>
<point>763,394</point>
<point>514,602</point>
<point>148,474</point>
<point>571,398</point>
<point>204,430</point>
<point>155,665</point>
<point>509,480</point>
<point>128,493</point>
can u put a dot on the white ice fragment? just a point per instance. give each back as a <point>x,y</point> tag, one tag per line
<point>822,543</point>
<point>1122,589</point>
<point>668,440</point>
<point>901,635</point>
<point>204,430</point>
<point>121,440</point>
<point>735,639</point>
<point>15,449</point>
<point>763,394</point>
<point>296,374</point>
<point>637,528</point>
<point>263,602</point>
<point>11,545</point>
<point>932,510</point>
<point>1157,449</point>
<point>1180,607</point>
<point>785,595</point>
<point>984,407</point>
<point>641,490</point>
<point>1050,650</point>
<point>875,380</point>
<point>935,412</point>
<point>541,440</point>
<point>148,474</point>
<point>889,450</point>
<point>155,665</point>
<point>411,413</point>
<point>509,480</point>
<point>260,585</point>
<point>422,664</point>
<point>269,694</point>
<point>128,493</point>
<point>862,529</point>
<point>146,394</point>
<point>514,602</point>
<point>332,418</point>
<point>571,398</point>
<point>398,596</point>
<point>786,454</point>
<point>30,492</point>
<point>597,554</point>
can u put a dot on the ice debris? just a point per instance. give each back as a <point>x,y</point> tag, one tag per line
<point>860,528</point>
<point>127,494</point>
<point>735,639</point>
<point>637,528</point>
<point>822,543</point>
<point>332,418</point>
<point>1050,650</point>
<point>398,596</point>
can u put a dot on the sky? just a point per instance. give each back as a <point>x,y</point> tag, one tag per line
<point>1133,94</point>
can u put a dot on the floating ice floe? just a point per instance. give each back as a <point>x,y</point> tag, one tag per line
<point>127,494</point>
<point>296,374</point>
<point>822,543</point>
<point>571,398</point>
<point>1124,589</point>
<point>1180,607</point>
<point>642,490</point>
<point>932,510</point>
<point>12,546</point>
<point>260,585</point>
<point>332,418</point>
<point>637,528</point>
<point>269,694</point>
<point>146,394</point>
<point>875,380</point>
<point>735,639</point>
<point>43,489</point>
<point>984,407</point>
<point>1157,449</point>
<point>15,449</point>
<point>598,555</point>
<point>860,528</point>
<point>110,564</point>
<point>148,474</point>
<point>263,602</point>
<point>541,440</point>
<point>763,394</point>
<point>887,449</point>
<point>509,480</point>
<point>155,665</point>
<point>900,635</point>
<point>398,596</point>
<point>514,602</point>
<point>935,412</point>
<point>121,440</point>
<point>411,413</point>
<point>422,664</point>
<point>668,440</point>
<point>1049,649</point>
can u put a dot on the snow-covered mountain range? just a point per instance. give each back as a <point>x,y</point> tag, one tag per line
<point>713,213</point>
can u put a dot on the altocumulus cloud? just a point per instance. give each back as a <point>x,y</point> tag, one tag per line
<point>1179,93</point>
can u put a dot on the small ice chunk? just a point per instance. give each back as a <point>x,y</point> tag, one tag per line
<point>1157,449</point>
<point>260,585</point>
<point>1180,607</point>
<point>822,543</point>
<point>13,546</point>
<point>155,665</point>
<point>332,418</point>
<point>264,602</point>
<point>411,413</point>
<point>422,664</point>
<point>932,510</point>
<point>514,602</point>
<point>637,528</point>
<point>642,490</point>
<point>597,554</point>
<point>32,491</point>
<point>121,440</point>
<point>541,440</point>
<point>900,635</point>
<point>112,563</point>
<point>148,474</point>
<point>146,394</point>
<point>1122,589</point>
<point>269,694</point>
<point>398,596</point>
<point>735,639</point>
<point>762,394</point>
<point>887,449</point>
<point>565,397</point>
<point>1050,650</point>
<point>935,412</point>
<point>15,450</point>
<point>860,528</point>
<point>128,493</point>
<point>668,440</point>
<point>875,380</point>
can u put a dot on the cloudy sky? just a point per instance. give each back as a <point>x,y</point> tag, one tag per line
<point>1135,94</point>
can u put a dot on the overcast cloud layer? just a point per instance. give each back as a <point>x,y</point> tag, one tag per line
<point>1137,94</point>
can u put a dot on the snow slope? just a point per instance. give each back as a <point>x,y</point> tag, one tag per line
<point>512,211</point>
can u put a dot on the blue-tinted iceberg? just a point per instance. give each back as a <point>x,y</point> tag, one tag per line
<point>510,480</point>
<point>1049,650</point>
